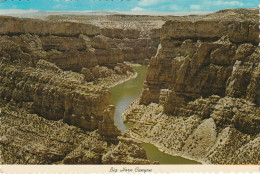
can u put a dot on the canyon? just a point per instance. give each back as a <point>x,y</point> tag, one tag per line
<point>137,36</point>
<point>201,96</point>
<point>200,99</point>
<point>55,105</point>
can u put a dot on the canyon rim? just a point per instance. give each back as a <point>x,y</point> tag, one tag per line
<point>200,98</point>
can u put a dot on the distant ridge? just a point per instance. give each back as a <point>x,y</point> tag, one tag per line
<point>39,14</point>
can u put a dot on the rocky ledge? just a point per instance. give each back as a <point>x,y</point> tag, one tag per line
<point>201,95</point>
<point>137,36</point>
<point>221,138</point>
<point>27,138</point>
<point>50,116</point>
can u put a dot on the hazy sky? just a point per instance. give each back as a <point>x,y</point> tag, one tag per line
<point>127,5</point>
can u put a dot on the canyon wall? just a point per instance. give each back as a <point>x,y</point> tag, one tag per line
<point>55,94</point>
<point>137,36</point>
<point>25,42</point>
<point>54,101</point>
<point>136,46</point>
<point>203,88</point>
<point>200,99</point>
<point>71,46</point>
<point>205,50</point>
<point>16,26</point>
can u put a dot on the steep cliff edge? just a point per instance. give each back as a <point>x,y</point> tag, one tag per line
<point>137,36</point>
<point>27,138</point>
<point>201,95</point>
<point>52,116</point>
<point>71,46</point>
<point>41,111</point>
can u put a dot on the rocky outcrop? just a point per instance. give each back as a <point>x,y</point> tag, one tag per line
<point>107,127</point>
<point>213,64</point>
<point>120,154</point>
<point>201,95</point>
<point>245,31</point>
<point>51,104</point>
<point>26,138</point>
<point>73,50</point>
<point>66,96</point>
<point>62,51</point>
<point>216,139</point>
<point>37,140</point>
<point>135,47</point>
<point>137,36</point>
<point>16,26</point>
<point>44,101</point>
<point>208,50</point>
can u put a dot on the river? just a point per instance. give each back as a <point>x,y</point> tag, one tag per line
<point>125,93</point>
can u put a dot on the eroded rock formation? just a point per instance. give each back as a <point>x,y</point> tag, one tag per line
<point>16,26</point>
<point>50,115</point>
<point>137,36</point>
<point>120,153</point>
<point>107,127</point>
<point>200,99</point>
<point>205,77</point>
<point>55,94</point>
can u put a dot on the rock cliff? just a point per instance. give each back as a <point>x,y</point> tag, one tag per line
<point>137,46</point>
<point>16,26</point>
<point>53,93</point>
<point>107,127</point>
<point>58,116</point>
<point>26,138</point>
<point>137,36</point>
<point>69,53</point>
<point>209,50</point>
<point>205,77</point>
<point>200,99</point>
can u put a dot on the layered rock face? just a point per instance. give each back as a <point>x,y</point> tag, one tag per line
<point>55,94</point>
<point>206,50</point>
<point>71,46</point>
<point>137,46</point>
<point>26,138</point>
<point>41,141</point>
<point>16,26</point>
<point>120,153</point>
<point>137,36</point>
<point>60,114</point>
<point>205,77</point>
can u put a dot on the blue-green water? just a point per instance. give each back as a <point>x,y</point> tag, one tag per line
<point>124,94</point>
